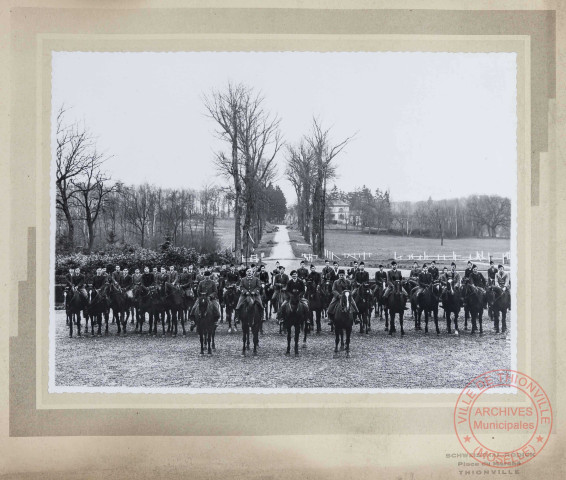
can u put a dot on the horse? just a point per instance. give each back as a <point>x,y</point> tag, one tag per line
<point>204,319</point>
<point>156,309</point>
<point>230,301</point>
<point>143,301</point>
<point>221,304</point>
<point>395,304</point>
<point>250,315</point>
<point>343,321</point>
<point>363,298</point>
<point>119,304</point>
<point>73,307</point>
<point>294,314</point>
<point>409,286</point>
<point>451,303</point>
<point>316,304</point>
<point>427,302</point>
<point>379,301</point>
<point>474,300</point>
<point>174,302</point>
<point>326,292</point>
<point>97,308</point>
<point>499,301</point>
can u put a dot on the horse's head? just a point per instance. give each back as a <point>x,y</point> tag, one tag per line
<point>202,303</point>
<point>397,287</point>
<point>345,300</point>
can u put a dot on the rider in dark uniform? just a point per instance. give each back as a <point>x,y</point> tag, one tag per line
<point>147,278</point>
<point>294,285</point>
<point>79,283</point>
<point>415,272</point>
<point>338,287</point>
<point>352,271</point>
<point>491,273</point>
<point>263,275</point>
<point>468,270</point>
<point>380,275</point>
<point>126,284</point>
<point>314,276</point>
<point>433,270</point>
<point>242,270</point>
<point>249,284</point>
<point>425,279</point>
<point>302,271</point>
<point>361,276</point>
<point>98,280</point>
<point>208,287</point>
<point>392,276</point>
<point>327,270</point>
<point>477,279</point>
<point>275,272</point>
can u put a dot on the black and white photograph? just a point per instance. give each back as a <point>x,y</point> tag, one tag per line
<point>264,222</point>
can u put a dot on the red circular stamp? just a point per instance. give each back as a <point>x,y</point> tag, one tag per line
<point>503,418</point>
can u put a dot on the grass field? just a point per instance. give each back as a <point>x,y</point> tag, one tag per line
<point>224,229</point>
<point>383,247</point>
<point>377,360</point>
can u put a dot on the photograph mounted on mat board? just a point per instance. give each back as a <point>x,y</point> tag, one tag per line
<point>282,221</point>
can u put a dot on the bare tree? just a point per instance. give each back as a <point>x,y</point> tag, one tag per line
<point>491,211</point>
<point>140,205</point>
<point>324,154</point>
<point>72,155</point>
<point>255,138</point>
<point>92,187</point>
<point>300,161</point>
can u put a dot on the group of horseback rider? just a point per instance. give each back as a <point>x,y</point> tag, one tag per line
<point>212,280</point>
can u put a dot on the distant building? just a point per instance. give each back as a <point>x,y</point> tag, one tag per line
<point>339,211</point>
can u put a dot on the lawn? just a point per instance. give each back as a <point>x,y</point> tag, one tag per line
<point>384,247</point>
<point>224,229</point>
<point>298,243</point>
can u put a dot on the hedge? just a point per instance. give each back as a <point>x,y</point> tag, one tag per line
<point>133,257</point>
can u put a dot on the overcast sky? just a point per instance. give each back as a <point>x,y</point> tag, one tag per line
<point>426,124</point>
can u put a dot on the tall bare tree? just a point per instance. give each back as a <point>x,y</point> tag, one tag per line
<point>74,146</point>
<point>299,172</point>
<point>140,205</point>
<point>324,152</point>
<point>92,187</point>
<point>255,138</point>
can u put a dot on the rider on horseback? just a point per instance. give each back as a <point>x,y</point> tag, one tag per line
<point>263,275</point>
<point>314,276</point>
<point>502,280</point>
<point>433,270</point>
<point>415,272</point>
<point>126,284</point>
<point>302,271</point>
<point>327,272</point>
<point>207,287</point>
<point>478,280</point>
<point>491,273</point>
<point>393,275</point>
<point>78,282</point>
<point>360,276</point>
<point>295,285</point>
<point>452,275</point>
<point>248,285</point>
<point>337,288</point>
<point>380,275</point>
<point>425,280</point>
<point>98,280</point>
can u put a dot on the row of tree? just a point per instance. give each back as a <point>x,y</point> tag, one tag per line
<point>472,216</point>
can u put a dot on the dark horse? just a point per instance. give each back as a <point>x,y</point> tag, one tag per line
<point>395,305</point>
<point>251,315</point>
<point>97,308</point>
<point>294,314</point>
<point>204,319</point>
<point>174,301</point>
<point>343,321</point>
<point>451,303</point>
<point>326,292</point>
<point>75,303</point>
<point>379,301</point>
<point>474,299</point>
<point>363,299</point>
<point>230,301</point>
<point>315,298</point>
<point>120,305</point>
<point>499,301</point>
<point>426,301</point>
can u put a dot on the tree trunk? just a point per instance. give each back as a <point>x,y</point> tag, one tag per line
<point>70,224</point>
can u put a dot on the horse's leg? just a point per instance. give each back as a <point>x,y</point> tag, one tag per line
<point>318,318</point>
<point>124,320</point>
<point>305,336</point>
<point>503,321</point>
<point>387,319</point>
<point>435,314</point>
<point>466,315</point>
<point>288,352</point>
<point>341,339</point>
<point>401,322</point>
<point>209,340</point>
<point>426,312</point>
<point>337,340</point>
<point>182,314</point>
<point>162,315</point>
<point>201,337</point>
<point>79,323</point>
<point>255,332</point>
<point>243,338</point>
<point>297,335</point>
<point>496,320</point>
<point>480,320</point>
<point>348,334</point>
<point>70,323</point>
<point>474,325</point>
<point>392,329</point>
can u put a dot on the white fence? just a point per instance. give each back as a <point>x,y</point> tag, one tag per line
<point>331,255</point>
<point>309,257</point>
<point>478,256</point>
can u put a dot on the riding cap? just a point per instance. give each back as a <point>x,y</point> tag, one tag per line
<point>335,263</point>
<point>491,262</point>
<point>341,271</point>
<point>326,261</point>
<point>232,265</point>
<point>380,266</point>
<point>207,274</point>
<point>393,262</point>
<point>252,265</point>
<point>312,266</point>
<point>434,261</point>
<point>452,264</point>
<point>302,261</point>
<point>362,263</point>
<point>293,272</point>
<point>425,265</point>
<point>499,266</point>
